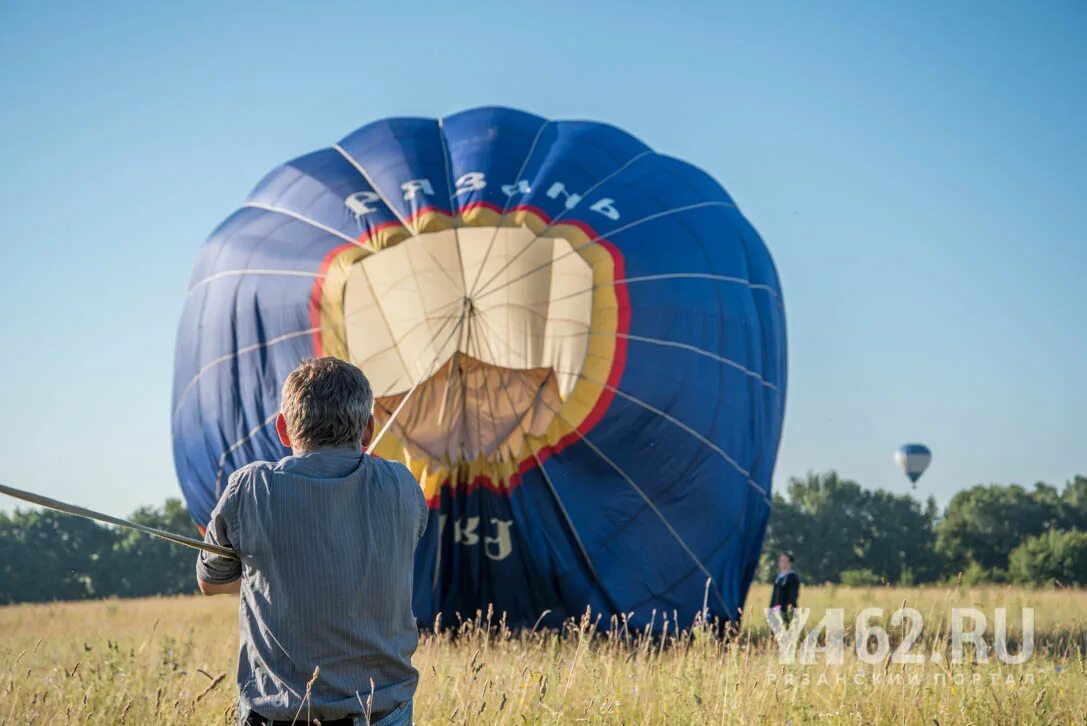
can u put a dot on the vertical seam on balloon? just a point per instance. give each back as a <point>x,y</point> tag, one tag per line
<point>196,350</point>
<point>447,162</point>
<point>596,413</point>
<point>377,190</point>
<point>558,500</point>
<point>384,317</point>
<point>233,447</point>
<point>649,502</point>
<point>490,402</point>
<point>506,207</point>
<point>552,222</point>
<point>230,356</point>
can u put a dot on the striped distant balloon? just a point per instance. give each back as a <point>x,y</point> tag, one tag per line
<point>913,459</point>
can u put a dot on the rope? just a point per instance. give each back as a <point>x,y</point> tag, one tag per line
<point>107,519</point>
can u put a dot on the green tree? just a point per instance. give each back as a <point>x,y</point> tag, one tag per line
<point>52,556</point>
<point>822,522</point>
<point>1073,504</point>
<point>899,542</point>
<point>1057,556</point>
<point>145,565</point>
<point>984,524</point>
<point>834,525</point>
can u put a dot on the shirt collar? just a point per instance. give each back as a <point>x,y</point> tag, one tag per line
<point>328,462</point>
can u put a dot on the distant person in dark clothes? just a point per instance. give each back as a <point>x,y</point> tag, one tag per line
<point>786,588</point>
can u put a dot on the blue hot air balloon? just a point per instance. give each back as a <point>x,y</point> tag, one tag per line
<point>577,345</point>
<point>913,459</point>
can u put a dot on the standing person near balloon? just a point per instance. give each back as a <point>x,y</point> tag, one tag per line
<point>326,544</point>
<point>786,594</point>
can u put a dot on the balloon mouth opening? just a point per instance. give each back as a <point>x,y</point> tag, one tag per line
<point>470,408</point>
<point>485,331</point>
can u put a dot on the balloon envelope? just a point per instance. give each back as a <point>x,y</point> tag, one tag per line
<point>913,459</point>
<point>580,344</point>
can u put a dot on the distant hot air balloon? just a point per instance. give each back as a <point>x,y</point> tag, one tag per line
<point>913,459</point>
<point>577,346</point>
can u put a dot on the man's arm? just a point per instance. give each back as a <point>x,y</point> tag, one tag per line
<point>216,574</point>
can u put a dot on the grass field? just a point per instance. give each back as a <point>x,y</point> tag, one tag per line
<point>172,660</point>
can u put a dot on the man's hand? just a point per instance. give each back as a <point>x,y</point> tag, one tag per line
<point>227,588</point>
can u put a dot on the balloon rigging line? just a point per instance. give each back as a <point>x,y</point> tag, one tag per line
<point>481,339</point>
<point>397,341</point>
<point>563,213</point>
<point>384,315</point>
<point>551,486</point>
<point>698,563</point>
<point>506,206</point>
<point>307,220</point>
<point>645,498</point>
<point>449,185</point>
<point>663,276</point>
<point>423,375</point>
<point>674,344</point>
<point>555,220</point>
<point>666,416</point>
<point>107,519</point>
<point>637,338</point>
<point>486,290</point>
<point>675,422</point>
<point>439,265</point>
<point>533,309</point>
<point>469,313</point>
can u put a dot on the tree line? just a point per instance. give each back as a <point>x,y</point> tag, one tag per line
<point>46,555</point>
<point>838,531</point>
<point>843,533</point>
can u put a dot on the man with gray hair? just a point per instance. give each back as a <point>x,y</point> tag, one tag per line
<point>326,544</point>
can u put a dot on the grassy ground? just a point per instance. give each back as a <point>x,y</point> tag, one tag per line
<point>172,661</point>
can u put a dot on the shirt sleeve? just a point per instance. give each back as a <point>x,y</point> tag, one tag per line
<point>217,569</point>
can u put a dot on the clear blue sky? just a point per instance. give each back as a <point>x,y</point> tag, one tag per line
<point>919,173</point>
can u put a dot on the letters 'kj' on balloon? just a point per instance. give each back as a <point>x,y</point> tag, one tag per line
<point>580,344</point>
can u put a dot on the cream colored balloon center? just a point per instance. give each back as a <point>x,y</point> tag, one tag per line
<point>494,338</point>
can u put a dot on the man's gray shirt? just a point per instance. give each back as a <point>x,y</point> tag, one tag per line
<point>327,543</point>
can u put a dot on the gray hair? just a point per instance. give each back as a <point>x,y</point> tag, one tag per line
<point>327,402</point>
